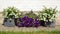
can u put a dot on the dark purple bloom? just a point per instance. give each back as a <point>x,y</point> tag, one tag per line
<point>18,24</point>
<point>28,22</point>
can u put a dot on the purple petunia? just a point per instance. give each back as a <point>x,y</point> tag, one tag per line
<point>28,22</point>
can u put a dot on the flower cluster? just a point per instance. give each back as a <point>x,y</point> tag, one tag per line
<point>28,22</point>
<point>10,12</point>
<point>48,14</point>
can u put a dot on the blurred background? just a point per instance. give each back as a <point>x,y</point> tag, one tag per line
<point>27,5</point>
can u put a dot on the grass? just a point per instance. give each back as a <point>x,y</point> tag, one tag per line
<point>34,32</point>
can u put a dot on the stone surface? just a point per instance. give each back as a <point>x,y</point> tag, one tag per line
<point>9,23</point>
<point>29,29</point>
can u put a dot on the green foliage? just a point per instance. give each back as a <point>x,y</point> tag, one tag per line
<point>33,32</point>
<point>10,12</point>
<point>21,15</point>
<point>31,14</point>
<point>48,14</point>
